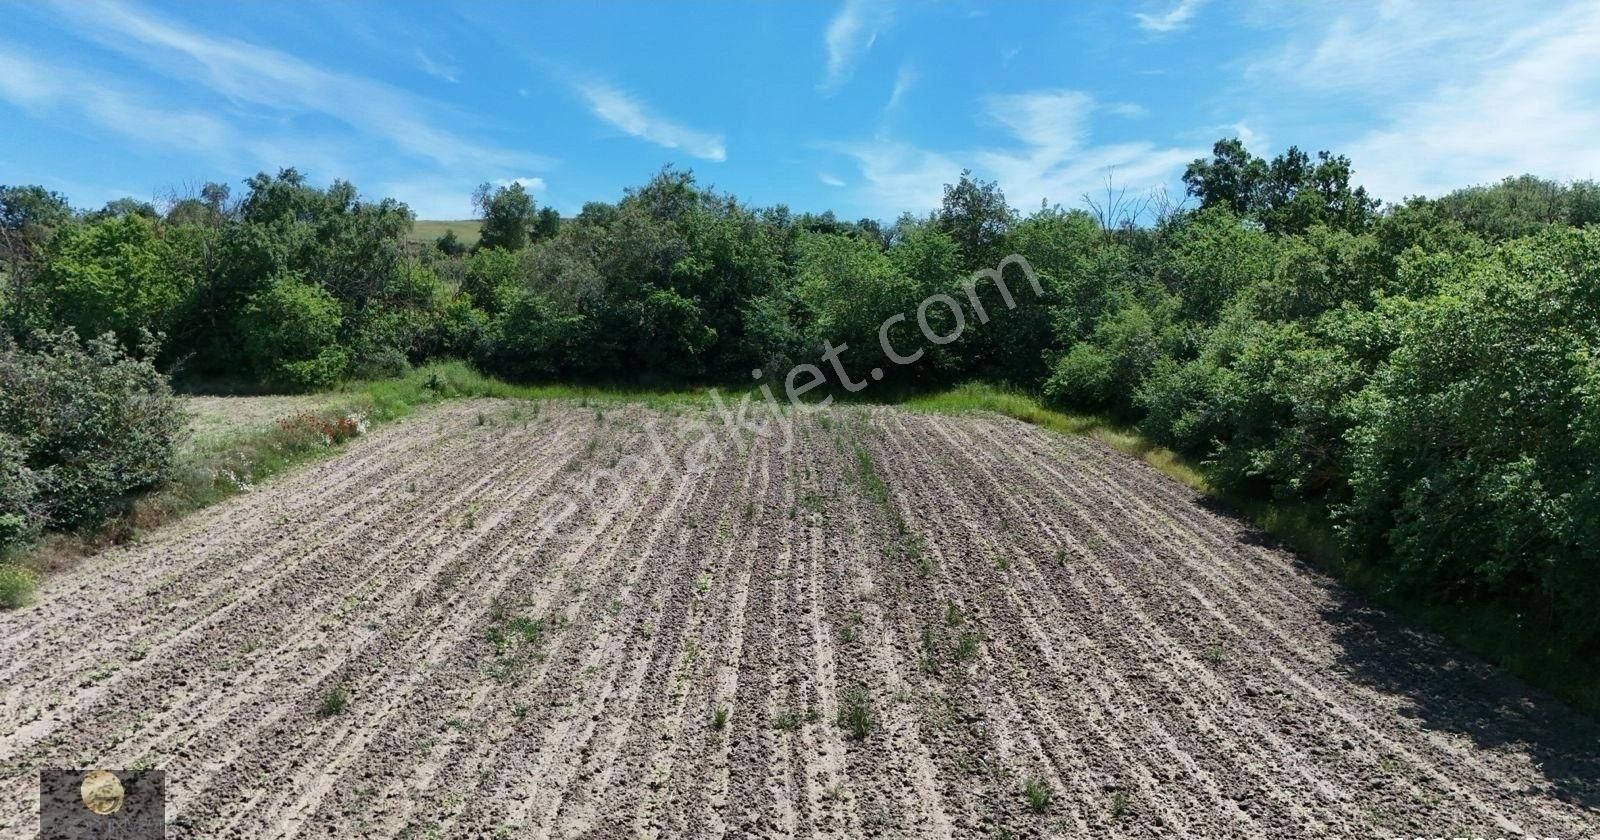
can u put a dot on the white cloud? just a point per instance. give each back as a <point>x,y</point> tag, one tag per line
<point>1052,160</point>
<point>1535,108</point>
<point>1175,18</point>
<point>903,82</point>
<point>246,73</point>
<point>1127,109</point>
<point>40,88</point>
<point>1449,94</point>
<point>830,180</point>
<point>850,33</point>
<point>629,115</point>
<point>443,70</point>
<point>899,176</point>
<point>534,185</point>
<point>1056,164</point>
<point>1051,121</point>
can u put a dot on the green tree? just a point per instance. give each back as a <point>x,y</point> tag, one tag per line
<point>1287,195</point>
<point>114,275</point>
<point>508,213</point>
<point>975,215</point>
<point>290,332</point>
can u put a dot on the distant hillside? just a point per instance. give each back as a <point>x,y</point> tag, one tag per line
<point>428,230</point>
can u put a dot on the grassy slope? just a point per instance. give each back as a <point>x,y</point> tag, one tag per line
<point>429,230</point>
<point>1490,632</point>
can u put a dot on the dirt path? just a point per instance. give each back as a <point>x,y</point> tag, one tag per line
<point>902,626</point>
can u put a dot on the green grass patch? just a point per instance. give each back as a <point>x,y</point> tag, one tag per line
<point>428,231</point>
<point>16,586</point>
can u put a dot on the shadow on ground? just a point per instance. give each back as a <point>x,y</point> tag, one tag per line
<point>1448,689</point>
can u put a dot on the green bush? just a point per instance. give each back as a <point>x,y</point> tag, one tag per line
<point>291,331</point>
<point>20,518</point>
<point>94,424</point>
<point>1474,469</point>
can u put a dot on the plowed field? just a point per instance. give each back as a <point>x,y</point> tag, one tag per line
<point>901,625</point>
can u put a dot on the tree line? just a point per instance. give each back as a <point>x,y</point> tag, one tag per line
<point>1427,372</point>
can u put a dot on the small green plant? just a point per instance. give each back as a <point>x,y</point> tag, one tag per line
<point>334,701</point>
<point>855,713</point>
<point>16,586</point>
<point>785,722</point>
<point>1002,564</point>
<point>719,720</point>
<point>967,646</point>
<point>1121,804</point>
<point>1037,793</point>
<point>519,711</point>
<point>482,419</point>
<point>1216,654</point>
<point>953,616</point>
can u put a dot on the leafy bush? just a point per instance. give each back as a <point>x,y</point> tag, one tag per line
<point>20,518</point>
<point>93,424</point>
<point>1474,467</point>
<point>291,331</point>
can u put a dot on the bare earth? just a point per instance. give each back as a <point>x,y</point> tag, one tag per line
<point>1017,606</point>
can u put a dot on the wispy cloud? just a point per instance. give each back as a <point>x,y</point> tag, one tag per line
<point>904,80</point>
<point>247,73</point>
<point>851,32</point>
<point>1450,94</point>
<point>899,176</point>
<point>1056,163</point>
<point>830,180</point>
<point>1174,18</point>
<point>443,70</point>
<point>38,87</point>
<point>1051,161</point>
<point>631,116</point>
<point>532,184</point>
<point>1534,108</point>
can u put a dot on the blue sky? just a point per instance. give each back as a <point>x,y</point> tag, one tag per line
<point>865,107</point>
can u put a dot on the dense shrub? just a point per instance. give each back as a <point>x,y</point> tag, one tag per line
<point>1474,467</point>
<point>291,331</point>
<point>20,518</point>
<point>94,425</point>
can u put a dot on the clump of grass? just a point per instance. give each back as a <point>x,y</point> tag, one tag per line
<point>930,652</point>
<point>855,714</point>
<point>17,586</point>
<point>719,720</point>
<point>1037,793</point>
<point>953,616</point>
<point>1216,654</point>
<point>967,646</point>
<point>1121,804</point>
<point>785,722</point>
<point>334,701</point>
